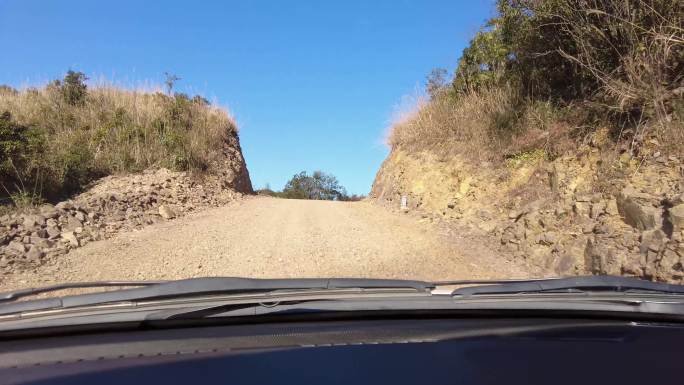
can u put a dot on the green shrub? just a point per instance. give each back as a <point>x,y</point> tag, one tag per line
<point>318,186</point>
<point>21,149</point>
<point>73,87</point>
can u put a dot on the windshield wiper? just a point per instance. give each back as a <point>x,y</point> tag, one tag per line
<point>585,284</point>
<point>572,285</point>
<point>188,288</point>
<point>16,294</point>
<point>153,290</point>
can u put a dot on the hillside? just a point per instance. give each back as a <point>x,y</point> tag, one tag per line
<point>561,135</point>
<point>81,164</point>
<point>56,139</point>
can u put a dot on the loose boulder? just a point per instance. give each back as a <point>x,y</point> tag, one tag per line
<point>676,216</point>
<point>166,212</point>
<point>637,209</point>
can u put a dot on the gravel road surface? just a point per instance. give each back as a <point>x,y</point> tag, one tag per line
<point>267,238</point>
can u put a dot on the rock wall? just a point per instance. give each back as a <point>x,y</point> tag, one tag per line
<point>232,168</point>
<point>575,215</point>
<point>113,204</point>
<point>119,203</point>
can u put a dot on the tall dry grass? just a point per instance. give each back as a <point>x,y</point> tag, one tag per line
<point>113,130</point>
<point>546,72</point>
<point>465,125</point>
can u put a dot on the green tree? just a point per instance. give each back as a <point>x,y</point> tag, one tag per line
<point>318,186</point>
<point>73,87</point>
<point>436,82</point>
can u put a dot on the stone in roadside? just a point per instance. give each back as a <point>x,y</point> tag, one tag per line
<point>117,216</point>
<point>64,206</point>
<point>80,216</point>
<point>115,197</point>
<point>34,239</point>
<point>677,217</point>
<point>73,223</point>
<point>42,233</point>
<point>33,220</point>
<point>45,243</point>
<point>677,200</point>
<point>53,232</point>
<point>34,254</point>
<point>70,237</point>
<point>17,246</point>
<point>611,207</point>
<point>679,249</point>
<point>637,210</point>
<point>548,238</point>
<point>596,209</point>
<point>514,214</point>
<point>582,208</point>
<point>670,261</point>
<point>49,211</point>
<point>631,266</point>
<point>652,240</point>
<point>166,212</point>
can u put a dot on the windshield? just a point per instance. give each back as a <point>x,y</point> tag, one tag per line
<point>431,141</point>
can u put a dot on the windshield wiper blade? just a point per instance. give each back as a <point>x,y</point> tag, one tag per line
<point>194,287</point>
<point>601,283</point>
<point>16,294</point>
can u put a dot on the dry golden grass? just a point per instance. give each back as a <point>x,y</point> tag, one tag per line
<point>449,125</point>
<point>494,124</point>
<point>113,130</point>
<point>125,129</point>
<point>548,74</point>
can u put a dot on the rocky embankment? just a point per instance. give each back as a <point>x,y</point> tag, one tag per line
<point>113,204</point>
<point>578,214</point>
<point>119,203</point>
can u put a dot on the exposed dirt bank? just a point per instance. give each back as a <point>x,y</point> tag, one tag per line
<point>582,213</point>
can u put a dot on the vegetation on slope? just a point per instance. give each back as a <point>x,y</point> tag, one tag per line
<point>547,74</point>
<point>56,139</point>
<point>317,186</point>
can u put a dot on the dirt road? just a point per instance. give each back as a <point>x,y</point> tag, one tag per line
<point>266,237</point>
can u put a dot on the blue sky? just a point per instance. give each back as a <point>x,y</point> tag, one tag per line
<point>312,84</point>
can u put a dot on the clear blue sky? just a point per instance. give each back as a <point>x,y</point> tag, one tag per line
<point>313,84</point>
